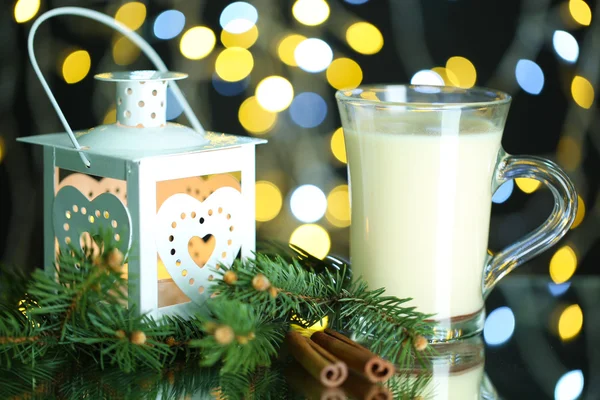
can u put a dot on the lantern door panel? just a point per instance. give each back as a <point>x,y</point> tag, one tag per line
<point>196,221</point>
<point>88,210</point>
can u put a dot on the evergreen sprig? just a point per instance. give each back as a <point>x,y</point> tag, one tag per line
<point>286,290</point>
<point>242,347</point>
<point>77,314</point>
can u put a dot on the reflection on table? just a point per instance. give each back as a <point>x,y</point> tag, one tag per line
<point>540,341</point>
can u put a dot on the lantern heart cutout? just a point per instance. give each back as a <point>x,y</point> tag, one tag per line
<point>74,215</point>
<point>181,218</point>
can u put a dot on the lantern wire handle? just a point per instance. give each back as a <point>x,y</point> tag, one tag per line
<point>131,35</point>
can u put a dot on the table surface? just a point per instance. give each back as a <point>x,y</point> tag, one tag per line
<point>534,346</point>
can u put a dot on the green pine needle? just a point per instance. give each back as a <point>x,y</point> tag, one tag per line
<point>77,315</point>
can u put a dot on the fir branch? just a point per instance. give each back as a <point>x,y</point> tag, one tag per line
<point>239,337</point>
<point>13,285</point>
<point>392,329</point>
<point>123,337</point>
<point>20,339</point>
<point>290,289</point>
<point>26,381</point>
<point>78,283</point>
<point>77,311</point>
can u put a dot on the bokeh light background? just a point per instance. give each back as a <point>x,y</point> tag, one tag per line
<point>270,68</point>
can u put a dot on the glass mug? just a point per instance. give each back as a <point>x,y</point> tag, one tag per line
<point>453,371</point>
<point>423,164</point>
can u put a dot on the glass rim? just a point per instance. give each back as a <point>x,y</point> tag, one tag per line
<point>496,97</point>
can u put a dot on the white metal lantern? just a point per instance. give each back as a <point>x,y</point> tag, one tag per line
<point>146,180</point>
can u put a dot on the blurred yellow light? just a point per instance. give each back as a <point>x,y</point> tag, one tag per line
<point>344,73</point>
<point>287,47</point>
<point>580,11</point>
<point>312,238</point>
<point>197,42</point>
<point>244,40</point>
<point>76,66</point>
<point>563,264</point>
<point>125,51</point>
<point>568,153</point>
<point>274,93</point>
<point>448,76</point>
<point>570,322</point>
<point>338,146</point>
<point>318,326</point>
<point>26,9</point>
<point>2,149</point>
<point>338,206</point>
<point>254,118</point>
<point>369,95</point>
<point>131,14</point>
<point>461,72</point>
<point>234,64</point>
<point>527,185</point>
<point>310,12</point>
<point>110,117</point>
<point>582,92</point>
<point>364,38</point>
<point>580,213</point>
<point>268,201</point>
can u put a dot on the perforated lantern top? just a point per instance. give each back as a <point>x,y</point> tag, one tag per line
<point>141,97</point>
<point>141,129</point>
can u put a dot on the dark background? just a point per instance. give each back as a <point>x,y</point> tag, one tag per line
<point>493,35</point>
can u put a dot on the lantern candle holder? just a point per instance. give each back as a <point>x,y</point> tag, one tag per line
<point>179,201</point>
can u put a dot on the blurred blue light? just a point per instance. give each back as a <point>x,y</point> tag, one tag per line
<point>169,24</point>
<point>556,289</point>
<point>308,109</point>
<point>566,46</point>
<point>356,2</point>
<point>238,17</point>
<point>530,76</point>
<point>174,109</point>
<point>499,326</point>
<point>569,386</point>
<point>225,88</point>
<point>503,192</point>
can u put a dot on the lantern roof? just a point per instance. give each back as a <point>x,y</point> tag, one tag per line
<point>214,141</point>
<point>141,129</point>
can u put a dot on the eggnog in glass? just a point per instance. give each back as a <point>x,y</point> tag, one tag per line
<point>423,163</point>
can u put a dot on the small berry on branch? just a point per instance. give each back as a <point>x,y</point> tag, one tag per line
<point>224,334</point>
<point>261,283</point>
<point>138,338</point>
<point>420,343</point>
<point>115,259</point>
<point>230,277</point>
<point>273,292</point>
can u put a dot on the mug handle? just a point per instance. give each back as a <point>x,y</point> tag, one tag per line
<point>546,235</point>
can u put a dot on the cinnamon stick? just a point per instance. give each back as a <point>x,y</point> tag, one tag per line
<point>303,383</point>
<point>358,387</point>
<point>358,358</point>
<point>318,362</point>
